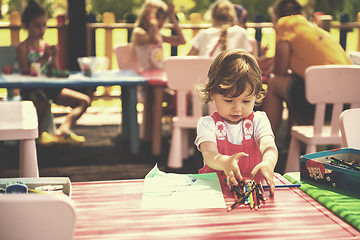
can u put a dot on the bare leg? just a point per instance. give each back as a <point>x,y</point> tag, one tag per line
<point>41,104</point>
<point>273,102</point>
<point>79,102</point>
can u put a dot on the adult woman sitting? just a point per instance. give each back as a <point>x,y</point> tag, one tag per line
<point>299,44</point>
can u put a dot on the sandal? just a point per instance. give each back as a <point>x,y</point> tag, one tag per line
<point>71,139</point>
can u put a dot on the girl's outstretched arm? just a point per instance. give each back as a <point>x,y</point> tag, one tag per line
<point>269,155</point>
<point>217,161</point>
<point>179,38</point>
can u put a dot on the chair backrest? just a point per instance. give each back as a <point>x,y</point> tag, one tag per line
<point>183,74</point>
<point>37,217</point>
<point>350,127</point>
<point>332,84</point>
<point>126,57</point>
<point>7,56</point>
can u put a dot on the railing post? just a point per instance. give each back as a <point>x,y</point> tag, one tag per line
<point>130,18</point>
<point>76,33</point>
<point>15,21</point>
<point>174,49</point>
<point>91,36</point>
<point>62,41</point>
<point>344,18</point>
<point>108,17</point>
<point>358,20</point>
<point>258,31</point>
<point>325,22</point>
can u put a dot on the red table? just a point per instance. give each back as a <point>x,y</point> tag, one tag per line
<point>111,210</point>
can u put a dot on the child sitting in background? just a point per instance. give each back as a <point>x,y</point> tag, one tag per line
<point>224,34</point>
<point>34,49</point>
<point>235,140</point>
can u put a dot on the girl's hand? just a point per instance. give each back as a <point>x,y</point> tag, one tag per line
<point>231,168</point>
<point>51,51</point>
<point>171,9</point>
<point>266,170</point>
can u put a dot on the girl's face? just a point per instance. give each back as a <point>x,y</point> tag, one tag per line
<point>160,17</point>
<point>37,27</point>
<point>233,110</point>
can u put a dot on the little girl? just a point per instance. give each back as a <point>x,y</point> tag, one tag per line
<point>147,38</point>
<point>34,49</point>
<point>235,140</point>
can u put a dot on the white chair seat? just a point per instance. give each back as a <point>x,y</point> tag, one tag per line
<point>18,121</point>
<point>306,134</point>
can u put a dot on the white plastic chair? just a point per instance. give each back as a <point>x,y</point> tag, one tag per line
<point>126,57</point>
<point>350,127</point>
<point>325,84</point>
<point>183,73</point>
<point>18,121</point>
<point>37,217</point>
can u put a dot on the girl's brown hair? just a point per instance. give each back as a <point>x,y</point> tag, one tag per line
<point>142,20</point>
<point>32,10</point>
<point>231,73</point>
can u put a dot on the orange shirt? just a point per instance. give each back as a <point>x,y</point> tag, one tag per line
<point>310,44</point>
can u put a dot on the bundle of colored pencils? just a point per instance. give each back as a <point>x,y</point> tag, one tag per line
<point>248,193</point>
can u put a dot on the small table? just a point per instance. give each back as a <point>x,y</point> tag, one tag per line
<point>127,79</point>
<point>111,210</point>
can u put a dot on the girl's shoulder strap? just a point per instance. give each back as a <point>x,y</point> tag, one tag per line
<point>216,116</point>
<point>251,116</point>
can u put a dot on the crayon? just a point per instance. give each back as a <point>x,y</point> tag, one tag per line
<point>342,162</point>
<point>257,193</point>
<point>262,191</point>
<point>37,191</point>
<point>235,188</point>
<point>241,199</point>
<point>251,198</point>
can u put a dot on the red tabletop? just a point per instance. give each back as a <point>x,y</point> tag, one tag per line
<point>156,77</point>
<point>111,210</point>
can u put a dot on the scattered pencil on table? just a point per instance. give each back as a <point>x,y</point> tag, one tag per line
<point>283,186</point>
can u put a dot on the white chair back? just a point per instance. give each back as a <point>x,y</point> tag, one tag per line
<point>37,217</point>
<point>126,57</point>
<point>324,84</point>
<point>183,74</point>
<point>350,127</point>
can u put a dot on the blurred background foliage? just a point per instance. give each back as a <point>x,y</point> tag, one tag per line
<point>122,8</point>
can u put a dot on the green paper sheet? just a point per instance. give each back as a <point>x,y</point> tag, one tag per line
<point>181,191</point>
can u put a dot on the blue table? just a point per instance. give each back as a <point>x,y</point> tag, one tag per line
<point>127,79</point>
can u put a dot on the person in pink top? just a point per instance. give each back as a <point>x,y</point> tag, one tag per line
<point>235,141</point>
<point>146,37</point>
